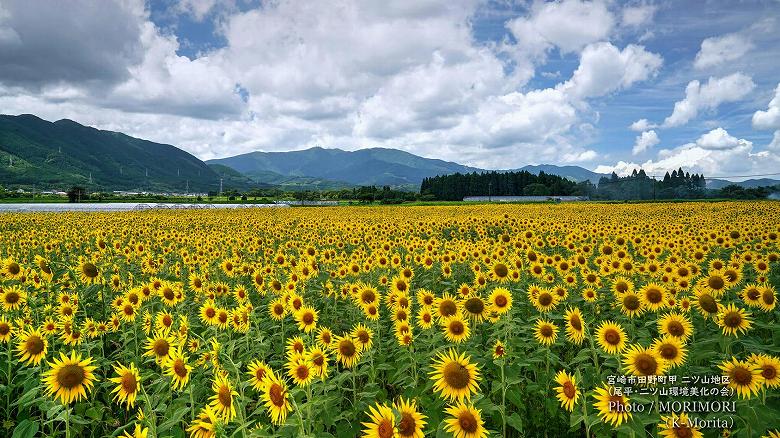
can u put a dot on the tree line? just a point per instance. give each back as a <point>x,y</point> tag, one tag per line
<point>456,186</point>
<point>678,184</point>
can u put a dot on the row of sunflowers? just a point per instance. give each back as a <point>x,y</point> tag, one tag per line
<point>463,321</point>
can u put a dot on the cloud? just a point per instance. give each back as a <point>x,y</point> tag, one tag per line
<point>709,96</point>
<point>774,145</point>
<point>769,119</point>
<point>642,125</point>
<point>717,139</point>
<point>715,153</point>
<point>719,50</point>
<point>46,42</point>
<point>569,25</point>
<point>604,69</point>
<point>638,15</point>
<point>198,9</point>
<point>645,141</point>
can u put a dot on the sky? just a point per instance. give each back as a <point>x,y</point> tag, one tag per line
<point>606,85</point>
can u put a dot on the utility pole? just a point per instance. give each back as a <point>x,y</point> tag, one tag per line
<point>178,173</point>
<point>147,172</point>
<point>220,187</point>
<point>90,177</point>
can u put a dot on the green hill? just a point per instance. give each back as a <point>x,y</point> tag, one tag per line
<point>64,153</point>
<point>374,166</point>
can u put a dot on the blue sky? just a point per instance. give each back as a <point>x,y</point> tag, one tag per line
<point>494,84</point>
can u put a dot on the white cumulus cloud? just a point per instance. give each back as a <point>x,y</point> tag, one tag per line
<point>604,69</point>
<point>769,119</point>
<point>719,50</point>
<point>709,96</point>
<point>568,25</point>
<point>645,141</point>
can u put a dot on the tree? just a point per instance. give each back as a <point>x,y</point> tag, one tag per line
<point>77,194</point>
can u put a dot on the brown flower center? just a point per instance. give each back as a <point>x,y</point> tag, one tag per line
<point>70,376</point>
<point>456,375</point>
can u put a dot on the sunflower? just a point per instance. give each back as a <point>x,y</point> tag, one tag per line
<point>318,359</point>
<point>299,369</point>
<point>69,378</point>
<point>160,346</point>
<point>733,320</point>
<point>611,337</point>
<point>675,426</point>
<point>363,336</point>
<point>575,325</point>
<point>675,324</point>
<point>205,425</point>
<point>465,422</point>
<point>138,432</point>
<point>474,308</point>
<point>276,398</point>
<point>128,384</point>
<point>630,304</point>
<point>324,337</point>
<point>770,369</point>
<point>295,345</point>
<point>499,272</point>
<point>88,272</point>
<point>208,312</point>
<point>546,332</point>
<point>653,296</point>
<point>412,421</point>
<point>425,297</point>
<point>641,361</point>
<point>499,351</point>
<point>671,350</point>
<point>456,329</point>
<point>542,299</point>
<point>768,298</point>
<point>567,391</point>
<point>277,309</point>
<point>306,317</point>
<point>715,282</point>
<point>222,400</point>
<point>12,298</point>
<point>500,300</point>
<point>744,377</point>
<point>706,303</point>
<point>11,269</point>
<point>177,368</point>
<point>259,371</point>
<point>454,376</point>
<point>425,318</point>
<point>347,351</point>
<point>612,408</point>
<point>381,424</point>
<point>445,306</point>
<point>31,346</point>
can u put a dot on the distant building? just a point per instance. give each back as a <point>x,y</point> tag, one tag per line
<point>320,203</point>
<point>525,198</point>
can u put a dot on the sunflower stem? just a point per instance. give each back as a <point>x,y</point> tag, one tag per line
<point>585,416</point>
<point>503,397</point>
<point>192,403</point>
<point>595,354</point>
<point>67,422</point>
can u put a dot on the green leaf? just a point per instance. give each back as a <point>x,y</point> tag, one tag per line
<point>515,421</point>
<point>25,429</point>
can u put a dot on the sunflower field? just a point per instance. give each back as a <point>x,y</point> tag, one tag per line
<point>446,321</point>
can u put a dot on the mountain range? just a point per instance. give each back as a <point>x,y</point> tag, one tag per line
<point>57,155</point>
